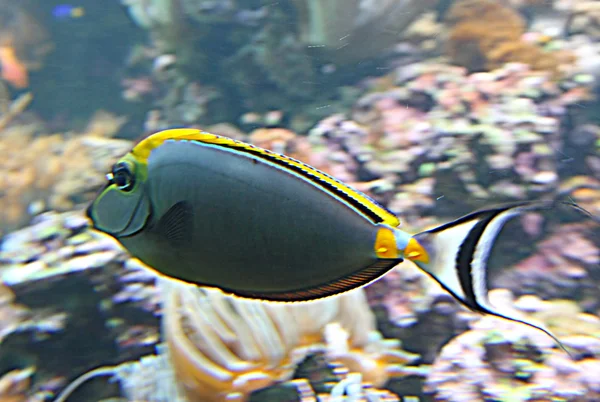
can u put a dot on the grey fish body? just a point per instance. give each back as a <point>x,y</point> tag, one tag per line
<point>231,196</point>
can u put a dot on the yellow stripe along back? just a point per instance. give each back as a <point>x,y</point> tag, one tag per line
<point>371,209</point>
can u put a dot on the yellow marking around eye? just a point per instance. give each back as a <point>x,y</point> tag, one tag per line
<point>143,149</point>
<point>385,243</point>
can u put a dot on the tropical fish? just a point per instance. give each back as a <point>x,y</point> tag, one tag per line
<point>217,212</point>
<point>64,11</point>
<point>13,69</point>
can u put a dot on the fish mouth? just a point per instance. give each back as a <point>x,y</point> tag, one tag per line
<point>88,213</point>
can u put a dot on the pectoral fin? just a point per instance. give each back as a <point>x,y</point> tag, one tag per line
<point>176,225</point>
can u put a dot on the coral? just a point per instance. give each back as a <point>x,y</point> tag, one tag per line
<point>440,140</point>
<point>152,13</point>
<point>503,360</point>
<point>148,379</point>
<point>14,385</point>
<point>296,56</point>
<point>563,317</point>
<point>350,30</point>
<point>349,388</point>
<point>23,40</point>
<point>12,109</point>
<point>274,60</point>
<point>470,39</point>
<point>485,34</point>
<point>587,52</point>
<point>152,379</point>
<point>275,138</point>
<point>56,171</point>
<point>564,265</point>
<point>584,17</point>
<point>104,124</point>
<point>12,315</point>
<point>424,32</point>
<point>251,56</point>
<point>412,307</point>
<point>72,280</point>
<point>15,317</point>
<point>584,191</point>
<point>55,245</point>
<point>219,347</point>
<point>340,147</point>
<point>353,30</point>
<point>224,347</point>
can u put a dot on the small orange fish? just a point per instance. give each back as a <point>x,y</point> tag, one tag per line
<point>13,69</point>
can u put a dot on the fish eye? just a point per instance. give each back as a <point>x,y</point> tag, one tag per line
<point>122,176</point>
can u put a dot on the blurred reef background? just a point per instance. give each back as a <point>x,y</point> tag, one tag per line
<point>432,107</point>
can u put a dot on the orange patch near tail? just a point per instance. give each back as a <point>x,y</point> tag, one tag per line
<point>13,70</point>
<point>414,251</point>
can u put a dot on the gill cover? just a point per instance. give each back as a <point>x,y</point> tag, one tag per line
<point>123,207</point>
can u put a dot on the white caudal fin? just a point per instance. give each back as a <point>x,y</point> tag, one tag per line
<point>458,254</point>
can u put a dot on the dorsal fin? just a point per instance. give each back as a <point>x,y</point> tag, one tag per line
<point>363,203</point>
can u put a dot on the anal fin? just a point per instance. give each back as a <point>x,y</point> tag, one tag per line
<point>355,280</point>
